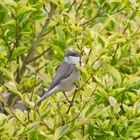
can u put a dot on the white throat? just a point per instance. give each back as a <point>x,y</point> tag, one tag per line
<point>72,60</point>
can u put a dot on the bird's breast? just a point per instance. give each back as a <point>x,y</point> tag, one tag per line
<point>69,83</point>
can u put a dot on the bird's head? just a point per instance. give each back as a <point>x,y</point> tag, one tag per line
<point>72,57</point>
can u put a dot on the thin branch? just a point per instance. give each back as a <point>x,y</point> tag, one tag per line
<point>29,90</point>
<point>97,58</point>
<point>16,117</point>
<point>44,7</point>
<point>132,16</point>
<point>37,57</point>
<point>33,91</point>
<point>42,120</point>
<point>86,22</point>
<point>61,116</point>
<point>71,5</point>
<point>71,102</point>
<point>80,5</point>
<point>118,10</point>
<point>16,46</point>
<point>114,54</point>
<point>88,56</point>
<point>51,29</point>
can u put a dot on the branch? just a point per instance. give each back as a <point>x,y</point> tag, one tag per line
<point>35,58</point>
<point>71,5</point>
<point>12,112</point>
<point>32,50</point>
<point>71,102</point>
<point>79,6</point>
<point>88,56</point>
<point>86,22</point>
<point>118,10</point>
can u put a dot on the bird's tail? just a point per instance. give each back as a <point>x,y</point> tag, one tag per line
<point>46,95</point>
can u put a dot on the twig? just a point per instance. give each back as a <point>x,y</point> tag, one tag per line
<point>86,22</point>
<point>32,93</point>
<point>51,29</point>
<point>114,54</point>
<point>97,58</point>
<point>71,102</point>
<point>35,58</point>
<point>61,116</point>
<point>118,10</point>
<point>79,6</point>
<point>71,5</point>
<point>44,7</point>
<point>88,56</point>
<point>17,117</point>
<point>42,119</point>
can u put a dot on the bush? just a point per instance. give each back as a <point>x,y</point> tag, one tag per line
<point>34,35</point>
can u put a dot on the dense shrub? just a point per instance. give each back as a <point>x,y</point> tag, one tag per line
<point>34,35</point>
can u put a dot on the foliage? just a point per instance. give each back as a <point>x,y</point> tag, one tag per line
<point>34,35</point>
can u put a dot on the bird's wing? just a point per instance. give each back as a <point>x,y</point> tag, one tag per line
<point>63,72</point>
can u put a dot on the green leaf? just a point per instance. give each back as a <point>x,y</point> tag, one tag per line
<point>7,73</point>
<point>18,51</point>
<point>50,69</point>
<point>31,127</point>
<point>111,133</point>
<point>3,14</point>
<point>112,101</point>
<point>26,31</point>
<point>64,130</point>
<point>127,109</point>
<point>60,33</point>
<point>37,15</point>
<point>89,110</point>
<point>11,3</point>
<point>137,107</point>
<point>115,73</point>
<point>20,115</point>
<point>114,6</point>
<point>13,88</point>
<point>59,50</point>
<point>24,9</point>
<point>101,41</point>
<point>106,7</point>
<point>61,131</point>
<point>134,85</point>
<point>3,119</point>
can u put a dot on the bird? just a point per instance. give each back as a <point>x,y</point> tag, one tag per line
<point>65,77</point>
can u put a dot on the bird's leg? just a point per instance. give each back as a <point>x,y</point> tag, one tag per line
<point>70,102</point>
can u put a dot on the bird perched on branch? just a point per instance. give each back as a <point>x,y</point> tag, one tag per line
<point>65,78</point>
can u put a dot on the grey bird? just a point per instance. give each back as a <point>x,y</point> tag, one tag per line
<point>66,76</point>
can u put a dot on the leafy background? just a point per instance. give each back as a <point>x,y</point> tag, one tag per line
<point>34,35</point>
